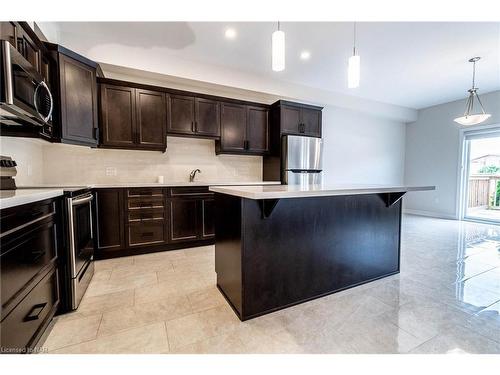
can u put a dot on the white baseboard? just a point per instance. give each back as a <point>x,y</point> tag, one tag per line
<point>429,214</point>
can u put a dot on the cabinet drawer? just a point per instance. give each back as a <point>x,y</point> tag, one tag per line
<point>19,216</point>
<point>144,192</point>
<point>24,322</point>
<point>190,191</point>
<point>145,202</point>
<point>24,257</point>
<point>146,214</point>
<point>146,233</point>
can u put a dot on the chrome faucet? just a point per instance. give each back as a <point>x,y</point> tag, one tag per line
<point>192,175</point>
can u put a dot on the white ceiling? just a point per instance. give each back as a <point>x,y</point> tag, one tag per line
<point>408,64</point>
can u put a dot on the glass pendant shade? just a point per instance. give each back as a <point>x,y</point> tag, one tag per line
<point>278,53</point>
<point>472,119</point>
<point>353,72</point>
<point>469,117</point>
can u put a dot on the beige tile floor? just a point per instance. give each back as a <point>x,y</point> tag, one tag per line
<point>445,300</point>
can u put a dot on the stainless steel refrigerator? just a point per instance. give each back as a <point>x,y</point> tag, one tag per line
<point>301,162</point>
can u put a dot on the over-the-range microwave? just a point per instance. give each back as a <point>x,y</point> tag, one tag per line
<point>25,98</point>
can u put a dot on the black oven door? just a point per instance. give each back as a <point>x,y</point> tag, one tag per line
<point>81,237</point>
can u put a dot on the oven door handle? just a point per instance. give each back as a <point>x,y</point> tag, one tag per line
<point>72,251</point>
<point>76,202</point>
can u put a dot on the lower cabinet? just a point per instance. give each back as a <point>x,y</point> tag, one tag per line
<point>184,219</point>
<point>26,322</point>
<point>138,220</point>
<point>208,214</point>
<point>28,273</point>
<point>109,220</point>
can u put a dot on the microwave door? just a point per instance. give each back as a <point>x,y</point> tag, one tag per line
<point>302,153</point>
<point>25,97</point>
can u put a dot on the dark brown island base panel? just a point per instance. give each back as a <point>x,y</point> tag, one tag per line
<point>30,236</point>
<point>133,221</point>
<point>271,254</point>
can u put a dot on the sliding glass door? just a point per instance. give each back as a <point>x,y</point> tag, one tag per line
<point>482,176</point>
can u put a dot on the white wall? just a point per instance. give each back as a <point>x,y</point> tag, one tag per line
<point>40,162</point>
<point>80,165</point>
<point>362,149</point>
<point>28,153</point>
<point>432,155</point>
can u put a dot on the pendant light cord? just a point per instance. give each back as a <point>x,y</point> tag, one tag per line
<point>473,74</point>
<point>354,37</point>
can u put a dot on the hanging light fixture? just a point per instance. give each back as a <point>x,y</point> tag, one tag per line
<point>469,117</point>
<point>353,71</point>
<point>278,54</point>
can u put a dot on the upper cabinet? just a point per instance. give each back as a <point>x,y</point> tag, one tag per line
<point>297,119</point>
<point>244,130</point>
<point>151,118</point>
<point>207,117</point>
<point>233,128</point>
<point>193,116</point>
<point>132,118</point>
<point>117,116</point>
<point>75,90</point>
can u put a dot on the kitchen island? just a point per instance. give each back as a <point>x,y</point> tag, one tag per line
<point>277,246</point>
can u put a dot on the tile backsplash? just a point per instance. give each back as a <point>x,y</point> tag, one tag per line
<point>67,164</point>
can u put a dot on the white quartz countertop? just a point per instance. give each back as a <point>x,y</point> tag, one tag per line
<point>303,191</point>
<point>155,184</point>
<point>24,194</point>
<point>11,198</point>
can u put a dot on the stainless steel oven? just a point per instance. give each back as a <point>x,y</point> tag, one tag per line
<point>80,244</point>
<point>25,98</point>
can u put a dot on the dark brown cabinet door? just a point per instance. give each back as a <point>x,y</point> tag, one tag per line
<point>290,120</point>
<point>258,130</point>
<point>233,127</point>
<point>109,220</point>
<point>208,220</point>
<point>311,121</point>
<point>184,219</point>
<point>181,115</point>
<point>151,119</point>
<point>27,47</point>
<point>207,122</point>
<point>78,102</point>
<point>118,116</point>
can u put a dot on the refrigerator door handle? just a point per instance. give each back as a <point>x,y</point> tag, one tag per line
<point>305,170</point>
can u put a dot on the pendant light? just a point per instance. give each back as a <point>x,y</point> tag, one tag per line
<point>469,117</point>
<point>353,71</point>
<point>278,53</point>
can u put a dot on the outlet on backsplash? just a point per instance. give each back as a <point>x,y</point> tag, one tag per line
<point>110,171</point>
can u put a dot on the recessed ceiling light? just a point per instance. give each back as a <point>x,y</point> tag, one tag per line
<point>305,55</point>
<point>230,33</point>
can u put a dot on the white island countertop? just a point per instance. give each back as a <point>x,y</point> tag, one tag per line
<point>303,191</point>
